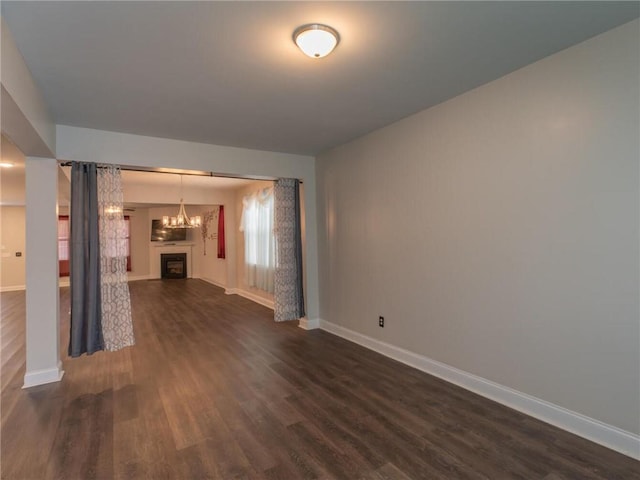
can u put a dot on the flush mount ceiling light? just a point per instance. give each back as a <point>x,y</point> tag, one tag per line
<point>316,40</point>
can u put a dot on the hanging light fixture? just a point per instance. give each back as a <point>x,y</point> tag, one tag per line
<point>181,220</point>
<point>112,210</point>
<point>316,40</point>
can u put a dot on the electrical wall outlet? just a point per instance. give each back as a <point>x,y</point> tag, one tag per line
<point>381,321</point>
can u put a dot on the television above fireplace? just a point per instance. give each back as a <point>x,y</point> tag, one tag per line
<point>162,234</point>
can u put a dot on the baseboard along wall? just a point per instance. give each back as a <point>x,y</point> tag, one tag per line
<point>609,436</point>
<point>250,296</point>
<point>41,377</point>
<point>13,288</point>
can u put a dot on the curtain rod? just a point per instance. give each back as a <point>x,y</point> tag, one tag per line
<point>175,171</point>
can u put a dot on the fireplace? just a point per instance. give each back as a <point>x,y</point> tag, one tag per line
<point>173,265</point>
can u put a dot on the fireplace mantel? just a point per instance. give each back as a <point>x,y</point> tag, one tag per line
<point>170,247</point>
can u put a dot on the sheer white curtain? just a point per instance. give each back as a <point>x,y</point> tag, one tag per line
<point>117,324</point>
<point>259,240</point>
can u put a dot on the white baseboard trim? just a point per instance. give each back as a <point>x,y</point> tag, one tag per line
<point>136,278</point>
<point>609,436</point>
<point>212,282</point>
<point>309,324</point>
<point>13,288</point>
<point>42,377</point>
<point>64,281</point>
<point>250,296</point>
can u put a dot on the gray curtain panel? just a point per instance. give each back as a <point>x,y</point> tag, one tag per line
<point>86,321</point>
<point>288,294</point>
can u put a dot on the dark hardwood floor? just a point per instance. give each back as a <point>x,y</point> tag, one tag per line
<point>215,389</point>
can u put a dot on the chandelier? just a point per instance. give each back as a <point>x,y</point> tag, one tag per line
<point>181,220</point>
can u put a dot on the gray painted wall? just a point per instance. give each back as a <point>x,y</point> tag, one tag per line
<point>498,232</point>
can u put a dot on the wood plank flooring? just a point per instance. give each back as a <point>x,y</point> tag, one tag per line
<point>215,389</point>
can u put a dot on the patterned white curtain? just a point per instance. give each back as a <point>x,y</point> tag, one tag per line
<point>117,324</point>
<point>288,295</point>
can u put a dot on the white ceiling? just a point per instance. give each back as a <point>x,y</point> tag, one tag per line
<point>229,73</point>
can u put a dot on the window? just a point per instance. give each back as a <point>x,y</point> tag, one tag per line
<point>259,240</point>
<point>64,245</point>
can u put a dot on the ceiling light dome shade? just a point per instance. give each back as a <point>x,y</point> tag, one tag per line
<point>316,40</point>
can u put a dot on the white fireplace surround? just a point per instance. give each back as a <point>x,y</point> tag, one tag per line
<point>173,247</point>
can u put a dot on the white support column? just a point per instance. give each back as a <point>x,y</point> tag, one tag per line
<point>43,325</point>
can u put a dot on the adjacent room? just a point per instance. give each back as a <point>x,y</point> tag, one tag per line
<point>382,240</point>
